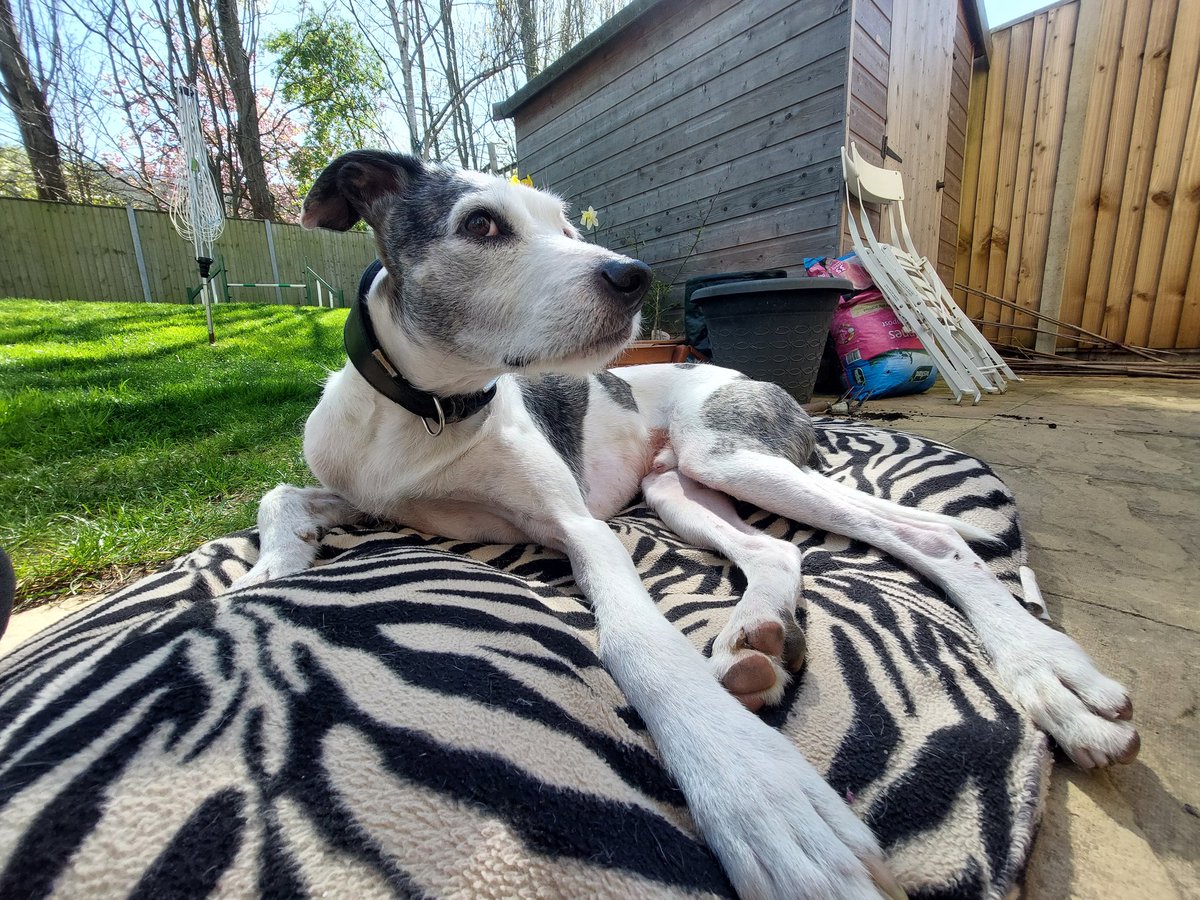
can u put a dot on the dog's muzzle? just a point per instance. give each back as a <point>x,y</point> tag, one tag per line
<point>626,282</point>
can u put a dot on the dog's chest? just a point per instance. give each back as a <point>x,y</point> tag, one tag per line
<point>595,429</point>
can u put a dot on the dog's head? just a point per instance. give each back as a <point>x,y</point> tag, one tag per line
<point>484,270</point>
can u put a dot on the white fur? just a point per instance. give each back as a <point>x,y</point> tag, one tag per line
<point>778,829</point>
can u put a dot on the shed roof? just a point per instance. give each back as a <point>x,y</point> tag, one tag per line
<point>976,21</point>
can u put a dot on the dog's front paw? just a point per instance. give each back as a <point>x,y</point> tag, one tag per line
<point>779,830</point>
<point>1057,683</point>
<point>754,660</point>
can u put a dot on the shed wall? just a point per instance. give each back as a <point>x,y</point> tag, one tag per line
<point>705,135</point>
<point>932,68</point>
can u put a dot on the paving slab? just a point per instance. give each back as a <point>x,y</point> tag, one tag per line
<point>1157,798</point>
<point>1125,546</point>
<point>1168,461</point>
<point>25,625</point>
<point>1110,503</point>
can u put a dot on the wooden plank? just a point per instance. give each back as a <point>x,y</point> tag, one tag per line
<point>775,253</point>
<point>589,81</point>
<point>1121,117</point>
<point>738,35</point>
<point>817,213</point>
<point>1178,253</point>
<point>18,227</point>
<point>956,123</point>
<point>918,81</point>
<point>75,283</point>
<point>780,112</point>
<point>681,210</point>
<point>969,195</point>
<point>683,179</point>
<point>1143,138</point>
<point>783,52</point>
<point>874,17</point>
<point>870,57</point>
<point>1178,95</point>
<point>1093,132</point>
<point>988,171</point>
<point>1006,165</point>
<point>1189,318</point>
<point>1061,23</point>
<point>1023,173</point>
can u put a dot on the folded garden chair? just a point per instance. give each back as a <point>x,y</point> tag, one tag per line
<point>967,362</point>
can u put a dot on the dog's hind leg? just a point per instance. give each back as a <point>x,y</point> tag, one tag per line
<point>290,520</point>
<point>761,643</point>
<point>1047,672</point>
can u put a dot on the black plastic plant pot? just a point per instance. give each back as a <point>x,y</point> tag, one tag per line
<point>772,330</point>
<point>695,328</point>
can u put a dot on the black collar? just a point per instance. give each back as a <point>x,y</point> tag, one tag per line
<point>372,363</point>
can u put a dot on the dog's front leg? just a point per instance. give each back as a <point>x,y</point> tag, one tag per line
<point>290,520</point>
<point>779,830</point>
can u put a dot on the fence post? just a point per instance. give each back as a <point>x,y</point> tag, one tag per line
<point>274,264</point>
<point>137,252</point>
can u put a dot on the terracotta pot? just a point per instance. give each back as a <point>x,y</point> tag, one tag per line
<point>641,352</point>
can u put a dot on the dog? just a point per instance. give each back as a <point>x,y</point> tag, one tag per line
<point>475,405</point>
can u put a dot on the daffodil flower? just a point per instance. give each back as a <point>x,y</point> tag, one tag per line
<point>589,219</point>
<point>527,180</point>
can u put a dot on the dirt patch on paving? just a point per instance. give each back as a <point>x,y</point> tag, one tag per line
<point>1033,420</point>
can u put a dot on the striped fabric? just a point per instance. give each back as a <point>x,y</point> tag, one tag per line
<point>416,716</point>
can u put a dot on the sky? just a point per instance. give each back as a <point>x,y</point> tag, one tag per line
<point>1001,11</point>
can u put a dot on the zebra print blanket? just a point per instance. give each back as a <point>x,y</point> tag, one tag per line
<point>422,717</point>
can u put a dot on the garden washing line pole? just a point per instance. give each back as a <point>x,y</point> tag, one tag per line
<point>196,208</point>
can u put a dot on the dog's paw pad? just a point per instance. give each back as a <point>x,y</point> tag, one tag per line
<point>753,661</point>
<point>765,637</point>
<point>755,679</point>
<point>751,673</point>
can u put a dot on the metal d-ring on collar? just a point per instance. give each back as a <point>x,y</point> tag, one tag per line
<point>441,420</point>
<point>372,363</point>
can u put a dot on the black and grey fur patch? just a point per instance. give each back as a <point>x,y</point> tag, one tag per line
<point>558,405</point>
<point>759,415</point>
<point>618,390</point>
<point>424,217</point>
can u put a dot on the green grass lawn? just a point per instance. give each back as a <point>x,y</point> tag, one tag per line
<point>125,439</point>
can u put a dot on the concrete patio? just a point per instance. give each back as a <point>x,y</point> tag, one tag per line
<point>1106,472</point>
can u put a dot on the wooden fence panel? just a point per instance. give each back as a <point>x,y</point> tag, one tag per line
<point>65,251</point>
<point>1152,288</point>
<point>1122,197</point>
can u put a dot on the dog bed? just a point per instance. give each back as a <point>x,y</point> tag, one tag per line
<point>417,716</point>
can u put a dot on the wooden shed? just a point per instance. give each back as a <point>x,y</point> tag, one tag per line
<point>706,133</point>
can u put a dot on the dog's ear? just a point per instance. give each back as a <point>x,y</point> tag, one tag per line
<point>358,185</point>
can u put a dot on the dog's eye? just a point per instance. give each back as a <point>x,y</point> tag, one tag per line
<point>480,224</point>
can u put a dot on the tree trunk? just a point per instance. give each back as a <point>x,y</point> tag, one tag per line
<point>527,24</point>
<point>27,100</point>
<point>249,141</point>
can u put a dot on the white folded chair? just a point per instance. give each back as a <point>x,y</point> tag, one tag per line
<point>909,282</point>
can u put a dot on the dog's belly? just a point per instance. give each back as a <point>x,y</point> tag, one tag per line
<point>614,470</point>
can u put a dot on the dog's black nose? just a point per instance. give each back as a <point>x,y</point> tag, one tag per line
<point>627,282</point>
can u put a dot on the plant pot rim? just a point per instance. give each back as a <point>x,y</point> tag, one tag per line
<point>771,286</point>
